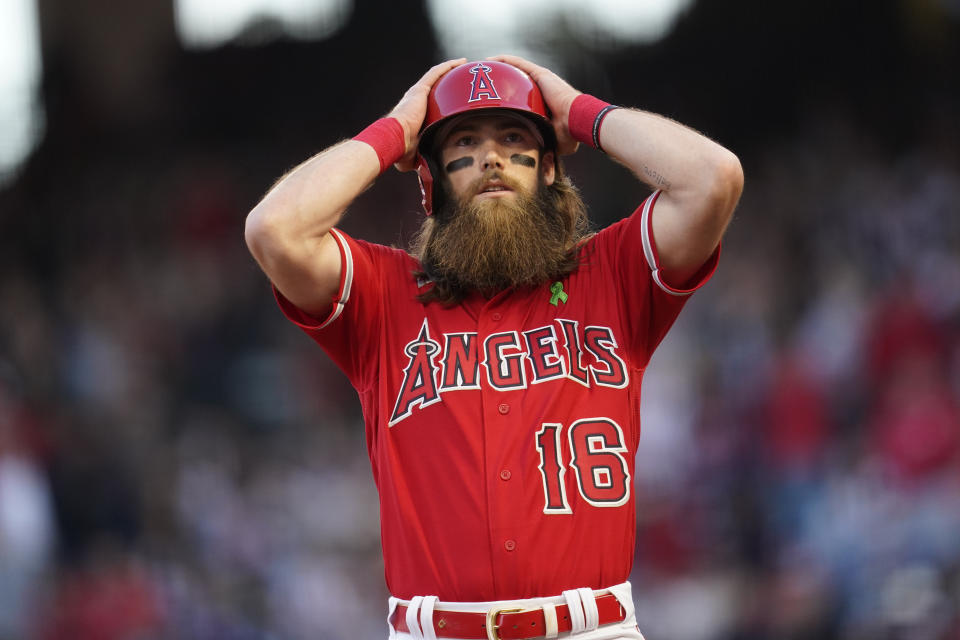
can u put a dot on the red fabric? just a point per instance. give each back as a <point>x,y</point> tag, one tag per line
<point>915,420</point>
<point>453,396</point>
<point>387,139</point>
<point>797,417</point>
<point>665,541</point>
<point>106,604</point>
<point>900,329</point>
<point>704,273</point>
<point>583,113</point>
<point>916,423</point>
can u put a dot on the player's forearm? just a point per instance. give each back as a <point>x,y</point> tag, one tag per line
<point>667,155</point>
<point>307,202</point>
<point>700,182</point>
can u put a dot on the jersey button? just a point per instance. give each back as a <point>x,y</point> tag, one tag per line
<point>504,408</point>
<point>510,545</point>
<point>505,474</point>
<point>496,317</point>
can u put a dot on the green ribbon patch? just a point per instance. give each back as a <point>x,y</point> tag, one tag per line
<point>557,294</point>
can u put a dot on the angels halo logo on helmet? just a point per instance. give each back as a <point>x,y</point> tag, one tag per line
<point>477,86</point>
<point>482,86</point>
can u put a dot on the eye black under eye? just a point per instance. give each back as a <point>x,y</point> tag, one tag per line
<point>459,163</point>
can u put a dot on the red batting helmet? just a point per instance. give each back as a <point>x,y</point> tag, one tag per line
<point>476,86</point>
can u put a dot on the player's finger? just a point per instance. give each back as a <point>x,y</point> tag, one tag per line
<point>416,93</point>
<point>433,73</point>
<point>510,58</point>
<point>521,63</point>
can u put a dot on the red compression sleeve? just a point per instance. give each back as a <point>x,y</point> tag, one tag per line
<point>386,137</point>
<point>585,117</point>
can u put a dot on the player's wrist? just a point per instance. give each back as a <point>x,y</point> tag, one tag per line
<point>586,117</point>
<point>387,139</point>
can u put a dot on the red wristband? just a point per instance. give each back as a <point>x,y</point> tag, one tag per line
<point>387,139</point>
<point>585,117</point>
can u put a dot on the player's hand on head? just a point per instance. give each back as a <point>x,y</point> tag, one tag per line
<point>557,93</point>
<point>412,109</point>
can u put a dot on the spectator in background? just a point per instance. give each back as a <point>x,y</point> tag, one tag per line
<point>27,527</point>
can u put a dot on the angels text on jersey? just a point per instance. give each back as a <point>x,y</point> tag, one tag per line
<point>506,360</point>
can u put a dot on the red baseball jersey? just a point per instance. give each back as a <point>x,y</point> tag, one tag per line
<point>502,431</point>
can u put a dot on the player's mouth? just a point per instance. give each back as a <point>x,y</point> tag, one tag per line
<point>493,189</point>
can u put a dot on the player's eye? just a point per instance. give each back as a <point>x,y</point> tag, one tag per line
<point>513,137</point>
<point>464,141</point>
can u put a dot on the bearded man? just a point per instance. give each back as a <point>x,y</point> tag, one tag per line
<point>505,220</point>
<point>499,364</point>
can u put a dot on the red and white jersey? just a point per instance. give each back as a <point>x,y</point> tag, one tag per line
<point>502,432</point>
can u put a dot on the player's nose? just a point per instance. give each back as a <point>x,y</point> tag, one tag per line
<point>491,158</point>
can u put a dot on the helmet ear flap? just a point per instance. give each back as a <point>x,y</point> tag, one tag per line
<point>426,183</point>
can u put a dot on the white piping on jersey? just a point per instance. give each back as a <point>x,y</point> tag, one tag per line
<point>648,247</point>
<point>347,266</point>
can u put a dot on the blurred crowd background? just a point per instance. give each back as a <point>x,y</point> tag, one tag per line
<point>178,461</point>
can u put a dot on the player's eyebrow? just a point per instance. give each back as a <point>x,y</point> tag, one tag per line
<point>459,163</point>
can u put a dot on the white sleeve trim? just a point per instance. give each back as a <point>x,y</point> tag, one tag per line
<point>648,250</point>
<point>645,234</point>
<point>346,284</point>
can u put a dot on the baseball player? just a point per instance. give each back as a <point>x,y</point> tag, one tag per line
<point>499,363</point>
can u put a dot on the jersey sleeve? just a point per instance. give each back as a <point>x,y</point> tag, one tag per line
<point>648,302</point>
<point>350,331</point>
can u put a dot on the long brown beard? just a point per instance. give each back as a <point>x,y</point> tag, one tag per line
<point>492,245</point>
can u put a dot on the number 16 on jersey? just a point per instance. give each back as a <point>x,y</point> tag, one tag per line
<point>596,458</point>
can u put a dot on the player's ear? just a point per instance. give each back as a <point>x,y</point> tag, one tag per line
<point>549,167</point>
